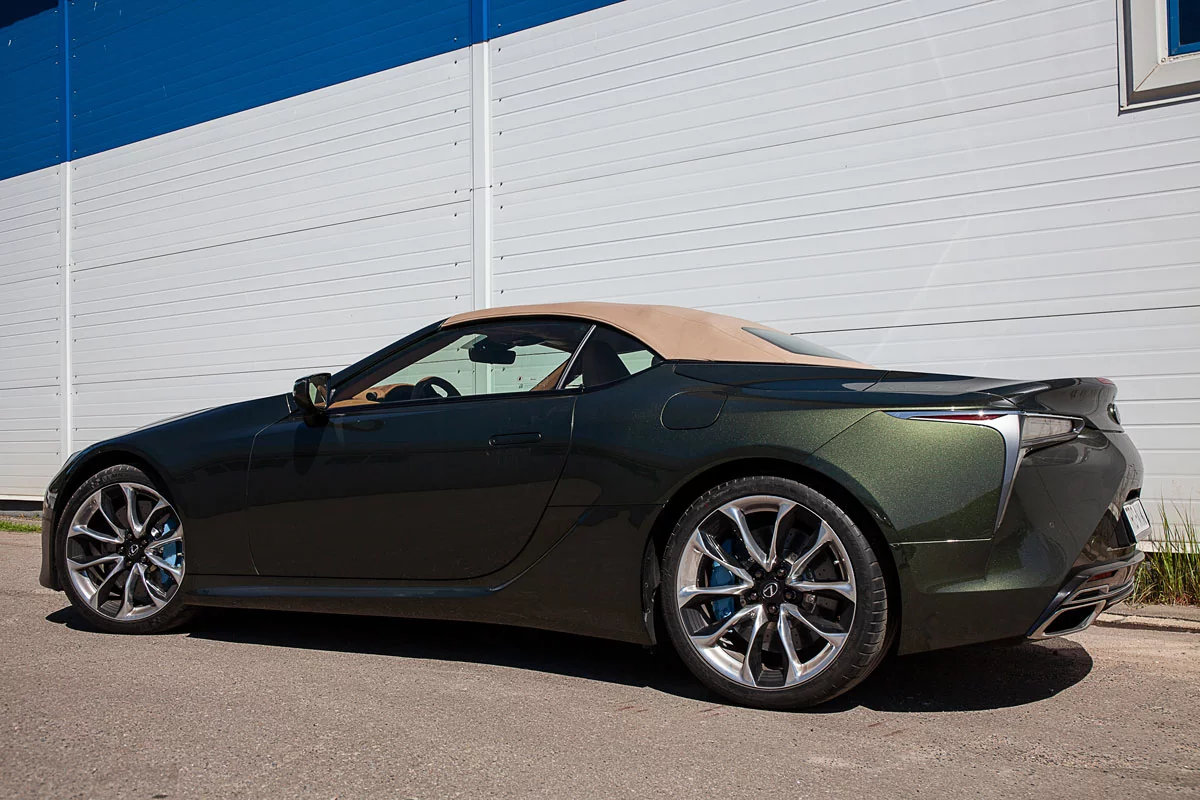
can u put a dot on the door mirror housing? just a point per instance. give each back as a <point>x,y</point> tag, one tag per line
<point>312,393</point>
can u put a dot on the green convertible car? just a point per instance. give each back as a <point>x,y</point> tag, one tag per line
<point>783,516</point>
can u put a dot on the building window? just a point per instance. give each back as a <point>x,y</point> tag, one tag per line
<point>1183,27</point>
<point>1160,51</point>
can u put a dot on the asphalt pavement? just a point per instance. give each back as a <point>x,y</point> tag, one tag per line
<point>257,704</point>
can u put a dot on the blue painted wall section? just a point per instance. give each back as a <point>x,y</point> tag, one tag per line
<point>510,16</point>
<point>145,67</point>
<point>31,87</point>
<point>142,68</point>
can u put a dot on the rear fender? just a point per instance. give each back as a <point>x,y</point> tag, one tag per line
<point>923,481</point>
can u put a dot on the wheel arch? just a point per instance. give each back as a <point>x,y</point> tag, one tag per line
<point>698,484</point>
<point>84,470</point>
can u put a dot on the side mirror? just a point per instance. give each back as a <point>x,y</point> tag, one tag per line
<point>312,393</point>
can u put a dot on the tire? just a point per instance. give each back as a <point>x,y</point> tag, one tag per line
<point>815,623</point>
<point>146,551</point>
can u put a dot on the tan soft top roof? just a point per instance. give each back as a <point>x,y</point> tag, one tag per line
<point>676,334</point>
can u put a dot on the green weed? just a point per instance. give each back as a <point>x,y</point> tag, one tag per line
<point>1172,573</point>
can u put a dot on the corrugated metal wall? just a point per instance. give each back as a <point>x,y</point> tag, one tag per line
<point>30,332</point>
<point>938,185</point>
<point>941,185</point>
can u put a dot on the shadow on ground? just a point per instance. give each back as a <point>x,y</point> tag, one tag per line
<point>963,679</point>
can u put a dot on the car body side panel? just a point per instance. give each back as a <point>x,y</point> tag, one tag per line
<point>413,490</point>
<point>202,459</point>
<point>585,578</point>
<point>622,453</point>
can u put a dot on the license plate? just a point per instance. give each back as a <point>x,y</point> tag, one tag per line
<point>1135,515</point>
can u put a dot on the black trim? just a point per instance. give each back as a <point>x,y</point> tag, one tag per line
<point>369,362</point>
<point>1062,599</point>
<point>382,592</point>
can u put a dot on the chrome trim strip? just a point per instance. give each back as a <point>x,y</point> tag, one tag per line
<point>571,361</point>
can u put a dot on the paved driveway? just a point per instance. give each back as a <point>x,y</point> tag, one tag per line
<point>280,705</point>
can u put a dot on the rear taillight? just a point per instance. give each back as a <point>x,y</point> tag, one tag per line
<point>1021,430</point>
<point>1039,430</point>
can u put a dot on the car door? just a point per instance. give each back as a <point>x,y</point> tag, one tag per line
<point>436,465</point>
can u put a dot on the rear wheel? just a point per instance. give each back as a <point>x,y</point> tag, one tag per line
<point>120,552</point>
<point>772,596</point>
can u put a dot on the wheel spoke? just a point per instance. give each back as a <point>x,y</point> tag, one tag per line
<point>157,543</point>
<point>795,668</point>
<point>127,606</point>
<point>825,536</point>
<point>785,511</point>
<point>754,647</point>
<point>79,566</point>
<point>154,598</point>
<point>105,588</point>
<point>135,526</point>
<point>110,516</point>
<point>84,530</point>
<point>159,507</point>
<point>833,637</point>
<point>739,520</point>
<point>711,635</point>
<point>844,588</point>
<point>714,552</point>
<point>177,574</point>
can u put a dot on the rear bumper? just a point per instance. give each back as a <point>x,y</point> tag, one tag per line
<point>1062,528</point>
<point>1085,595</point>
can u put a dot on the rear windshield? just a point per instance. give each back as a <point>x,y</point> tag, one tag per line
<point>794,344</point>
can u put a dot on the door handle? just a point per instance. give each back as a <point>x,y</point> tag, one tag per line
<point>362,425</point>
<point>510,439</point>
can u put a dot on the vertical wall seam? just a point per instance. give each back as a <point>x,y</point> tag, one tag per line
<point>65,167</point>
<point>481,174</point>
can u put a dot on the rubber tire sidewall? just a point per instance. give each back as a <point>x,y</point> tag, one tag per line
<point>175,613</point>
<point>866,645</point>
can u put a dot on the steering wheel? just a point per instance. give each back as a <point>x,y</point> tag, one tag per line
<point>423,389</point>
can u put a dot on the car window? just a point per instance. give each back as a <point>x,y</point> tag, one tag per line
<point>608,356</point>
<point>490,358</point>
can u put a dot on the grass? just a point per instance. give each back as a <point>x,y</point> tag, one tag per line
<point>19,527</point>
<point>1172,574</point>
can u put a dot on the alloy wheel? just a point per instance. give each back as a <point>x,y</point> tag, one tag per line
<point>766,592</point>
<point>124,551</point>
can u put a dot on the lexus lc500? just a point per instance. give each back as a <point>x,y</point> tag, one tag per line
<point>783,516</point>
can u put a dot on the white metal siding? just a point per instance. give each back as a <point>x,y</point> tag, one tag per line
<point>941,185</point>
<point>30,331</point>
<point>219,262</point>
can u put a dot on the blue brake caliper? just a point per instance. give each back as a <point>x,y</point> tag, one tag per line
<point>170,552</point>
<point>722,607</point>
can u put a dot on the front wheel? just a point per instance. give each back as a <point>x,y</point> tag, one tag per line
<point>772,596</point>
<point>120,552</point>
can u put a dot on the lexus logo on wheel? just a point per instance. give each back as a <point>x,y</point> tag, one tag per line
<point>770,590</point>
